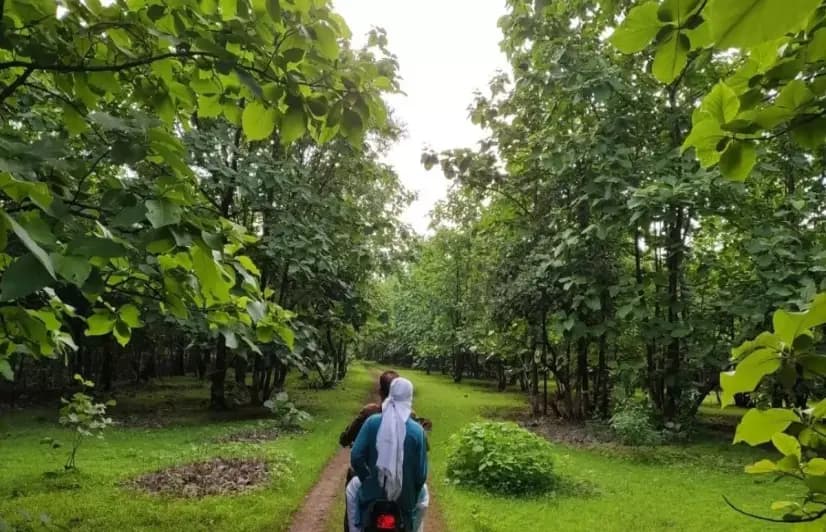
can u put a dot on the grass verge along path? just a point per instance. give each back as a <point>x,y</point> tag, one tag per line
<point>669,488</point>
<point>95,497</point>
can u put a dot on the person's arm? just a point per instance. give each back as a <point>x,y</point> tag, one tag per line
<point>349,435</point>
<point>421,472</point>
<point>361,451</point>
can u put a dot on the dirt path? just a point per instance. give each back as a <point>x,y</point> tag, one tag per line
<point>319,505</point>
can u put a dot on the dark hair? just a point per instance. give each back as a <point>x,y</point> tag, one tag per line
<point>384,383</point>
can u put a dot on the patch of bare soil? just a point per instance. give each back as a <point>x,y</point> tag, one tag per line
<point>217,476</point>
<point>256,435</point>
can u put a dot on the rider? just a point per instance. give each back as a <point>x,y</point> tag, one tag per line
<point>347,437</point>
<point>390,458</point>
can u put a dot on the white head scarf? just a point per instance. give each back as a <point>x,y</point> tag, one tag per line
<point>390,440</point>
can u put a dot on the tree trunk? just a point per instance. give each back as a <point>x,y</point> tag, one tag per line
<point>217,399</point>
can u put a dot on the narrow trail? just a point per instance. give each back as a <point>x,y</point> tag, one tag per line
<point>314,514</point>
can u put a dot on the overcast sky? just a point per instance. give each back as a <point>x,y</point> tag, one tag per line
<point>446,50</point>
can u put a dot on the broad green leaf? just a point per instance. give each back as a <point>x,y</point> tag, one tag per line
<point>816,49</point>
<point>815,466</point>
<point>764,339</point>
<point>286,334</point>
<point>209,106</point>
<point>230,340</point>
<point>122,333</point>
<point>326,40</point>
<point>738,160</point>
<point>747,23</point>
<point>258,121</point>
<point>162,213</point>
<point>30,244</point>
<point>638,29</point>
<point>256,310</point>
<point>704,137</point>
<point>815,315</point>
<point>74,269</point>
<point>23,277</point>
<point>677,10</point>
<point>789,102</point>
<point>809,132</point>
<point>5,370</point>
<point>721,104</point>
<point>787,325</point>
<point>229,9</point>
<point>99,324</point>
<point>788,445</point>
<point>292,126</point>
<point>761,467</point>
<point>93,246</point>
<point>748,373</point>
<point>130,315</point>
<point>671,57</point>
<point>758,426</point>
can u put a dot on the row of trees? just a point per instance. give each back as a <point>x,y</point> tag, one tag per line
<point>191,185</point>
<point>584,242</point>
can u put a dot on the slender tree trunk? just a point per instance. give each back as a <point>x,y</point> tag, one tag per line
<point>217,399</point>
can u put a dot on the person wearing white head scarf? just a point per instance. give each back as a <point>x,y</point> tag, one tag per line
<point>395,411</point>
<point>389,457</point>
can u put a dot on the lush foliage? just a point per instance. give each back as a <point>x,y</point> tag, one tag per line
<point>632,425</point>
<point>191,168</point>
<point>501,458</point>
<point>286,413</point>
<point>772,90</point>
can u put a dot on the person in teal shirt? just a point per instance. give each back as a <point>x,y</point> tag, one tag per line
<point>389,456</point>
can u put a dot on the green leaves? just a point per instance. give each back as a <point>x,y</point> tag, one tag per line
<point>748,374</point>
<point>738,160</point>
<point>292,126</point>
<point>638,28</point>
<point>788,445</point>
<point>671,57</point>
<point>258,121</point>
<point>747,23</point>
<point>32,246</point>
<point>23,277</point>
<point>100,323</point>
<point>759,426</point>
<point>162,213</point>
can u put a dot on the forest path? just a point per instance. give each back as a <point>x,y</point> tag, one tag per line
<point>319,505</point>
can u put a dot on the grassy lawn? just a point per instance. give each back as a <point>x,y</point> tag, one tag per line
<point>94,498</point>
<point>670,488</point>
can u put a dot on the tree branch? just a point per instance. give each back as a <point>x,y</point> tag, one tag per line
<point>21,79</point>
<point>808,519</point>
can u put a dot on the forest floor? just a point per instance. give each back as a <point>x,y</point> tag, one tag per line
<point>604,486</point>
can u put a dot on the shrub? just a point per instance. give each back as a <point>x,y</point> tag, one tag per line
<point>632,425</point>
<point>502,458</point>
<point>287,415</point>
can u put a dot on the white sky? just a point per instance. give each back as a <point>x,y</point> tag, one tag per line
<point>446,50</point>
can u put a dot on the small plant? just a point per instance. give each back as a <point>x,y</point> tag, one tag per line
<point>285,412</point>
<point>501,458</point>
<point>632,425</point>
<point>84,416</point>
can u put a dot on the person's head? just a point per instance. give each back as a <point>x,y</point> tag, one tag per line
<point>401,391</point>
<point>385,380</point>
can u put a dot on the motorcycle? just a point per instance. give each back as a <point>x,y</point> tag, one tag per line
<point>384,516</point>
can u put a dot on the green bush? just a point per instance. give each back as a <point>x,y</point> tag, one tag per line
<point>502,458</point>
<point>632,425</point>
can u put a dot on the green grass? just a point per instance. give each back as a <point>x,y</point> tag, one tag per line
<point>670,488</point>
<point>603,488</point>
<point>94,498</point>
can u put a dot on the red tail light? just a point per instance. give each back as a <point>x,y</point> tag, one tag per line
<point>386,522</point>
